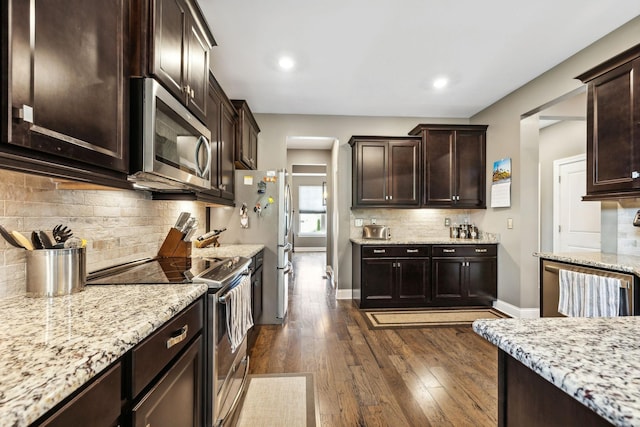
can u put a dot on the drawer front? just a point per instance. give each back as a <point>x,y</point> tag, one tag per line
<point>464,250</point>
<point>258,259</point>
<point>154,353</point>
<point>395,251</point>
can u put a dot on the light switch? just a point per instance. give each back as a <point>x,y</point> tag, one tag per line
<point>447,222</point>
<point>509,223</point>
<point>358,222</point>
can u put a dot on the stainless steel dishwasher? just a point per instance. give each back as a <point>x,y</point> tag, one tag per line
<point>550,286</point>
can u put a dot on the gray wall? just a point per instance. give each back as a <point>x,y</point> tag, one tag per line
<point>518,269</point>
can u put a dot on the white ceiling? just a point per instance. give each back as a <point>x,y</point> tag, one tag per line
<point>379,57</point>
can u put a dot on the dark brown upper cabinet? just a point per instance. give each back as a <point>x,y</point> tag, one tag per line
<point>454,165</point>
<point>172,42</point>
<point>247,140</point>
<point>222,121</point>
<point>64,90</point>
<point>613,127</point>
<point>386,171</point>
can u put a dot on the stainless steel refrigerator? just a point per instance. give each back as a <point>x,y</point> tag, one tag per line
<point>263,216</point>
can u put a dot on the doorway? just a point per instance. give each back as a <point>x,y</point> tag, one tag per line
<point>576,223</point>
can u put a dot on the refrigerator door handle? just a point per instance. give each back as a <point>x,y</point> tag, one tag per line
<point>287,247</point>
<point>289,268</point>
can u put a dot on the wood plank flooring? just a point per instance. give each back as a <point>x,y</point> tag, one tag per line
<point>384,377</point>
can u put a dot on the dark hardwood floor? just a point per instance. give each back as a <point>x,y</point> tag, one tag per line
<point>388,377</point>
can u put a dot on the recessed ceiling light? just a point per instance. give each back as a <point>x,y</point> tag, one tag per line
<point>286,63</point>
<point>440,82</point>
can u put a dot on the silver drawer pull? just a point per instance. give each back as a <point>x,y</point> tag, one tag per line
<point>449,251</point>
<point>182,334</point>
<point>379,251</point>
<point>481,250</point>
<point>412,251</point>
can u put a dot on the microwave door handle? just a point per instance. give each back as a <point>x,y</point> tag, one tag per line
<point>202,140</point>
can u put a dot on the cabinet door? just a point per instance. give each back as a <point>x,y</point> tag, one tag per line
<point>169,53</point>
<point>439,168</point>
<point>227,151</point>
<point>404,173</point>
<point>470,168</point>
<point>378,282</point>
<point>613,109</point>
<point>482,279</point>
<point>245,140</point>
<point>413,281</point>
<point>253,148</point>
<point>197,70</point>
<point>371,170</point>
<point>448,279</point>
<point>176,400</point>
<point>68,67</point>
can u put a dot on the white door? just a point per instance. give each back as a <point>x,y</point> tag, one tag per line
<point>576,223</point>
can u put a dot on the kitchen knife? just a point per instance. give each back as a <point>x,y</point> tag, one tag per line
<point>191,222</point>
<point>182,220</point>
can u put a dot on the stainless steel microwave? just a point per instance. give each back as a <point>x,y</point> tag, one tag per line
<point>170,147</point>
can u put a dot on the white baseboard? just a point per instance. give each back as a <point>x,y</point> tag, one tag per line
<point>310,249</point>
<point>343,294</point>
<point>517,312</point>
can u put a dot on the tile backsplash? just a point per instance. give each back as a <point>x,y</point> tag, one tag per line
<point>628,235</point>
<point>119,225</point>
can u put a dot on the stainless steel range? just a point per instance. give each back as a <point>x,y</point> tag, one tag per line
<point>226,370</point>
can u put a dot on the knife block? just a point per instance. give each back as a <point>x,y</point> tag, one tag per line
<point>174,246</point>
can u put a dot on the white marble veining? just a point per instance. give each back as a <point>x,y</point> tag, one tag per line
<point>224,251</point>
<point>594,360</point>
<point>616,262</point>
<point>424,241</point>
<point>52,346</point>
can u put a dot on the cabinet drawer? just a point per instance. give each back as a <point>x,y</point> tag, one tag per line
<point>154,353</point>
<point>465,250</point>
<point>257,260</point>
<point>395,251</point>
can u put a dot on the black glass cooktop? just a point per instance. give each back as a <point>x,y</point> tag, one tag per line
<point>155,271</point>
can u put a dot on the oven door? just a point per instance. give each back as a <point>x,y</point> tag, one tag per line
<point>175,144</point>
<point>229,369</point>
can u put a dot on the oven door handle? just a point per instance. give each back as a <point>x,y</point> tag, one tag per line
<point>221,421</point>
<point>202,172</point>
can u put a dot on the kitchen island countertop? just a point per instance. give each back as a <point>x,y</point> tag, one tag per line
<point>594,360</point>
<point>52,346</point>
<point>228,250</point>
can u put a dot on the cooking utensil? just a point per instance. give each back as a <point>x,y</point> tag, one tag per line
<point>191,223</point>
<point>45,239</point>
<point>35,240</point>
<point>9,238</point>
<point>22,241</point>
<point>61,233</point>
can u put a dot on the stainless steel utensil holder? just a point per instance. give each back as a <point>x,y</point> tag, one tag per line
<point>55,272</point>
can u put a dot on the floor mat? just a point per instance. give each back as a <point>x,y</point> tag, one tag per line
<point>278,400</point>
<point>429,318</point>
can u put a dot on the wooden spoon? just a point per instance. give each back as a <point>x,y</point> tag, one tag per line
<point>22,241</point>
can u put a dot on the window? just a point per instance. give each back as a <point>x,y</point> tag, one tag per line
<point>312,213</point>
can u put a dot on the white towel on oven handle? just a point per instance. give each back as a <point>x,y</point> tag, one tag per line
<point>588,295</point>
<point>239,316</point>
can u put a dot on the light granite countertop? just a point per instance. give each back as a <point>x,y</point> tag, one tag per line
<point>52,346</point>
<point>594,360</point>
<point>424,241</point>
<point>227,250</point>
<point>623,263</point>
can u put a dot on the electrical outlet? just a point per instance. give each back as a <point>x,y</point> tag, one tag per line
<point>509,223</point>
<point>374,221</point>
<point>359,222</point>
<point>447,222</point>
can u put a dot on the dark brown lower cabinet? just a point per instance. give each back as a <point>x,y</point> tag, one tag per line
<point>395,276</point>
<point>464,275</point>
<point>176,399</point>
<point>525,399</point>
<point>98,405</point>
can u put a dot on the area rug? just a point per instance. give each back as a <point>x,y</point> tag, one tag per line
<point>278,400</point>
<point>428,318</point>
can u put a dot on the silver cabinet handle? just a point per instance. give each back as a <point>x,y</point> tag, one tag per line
<point>412,251</point>
<point>182,334</point>
<point>481,250</point>
<point>379,251</point>
<point>449,251</point>
<point>635,174</point>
